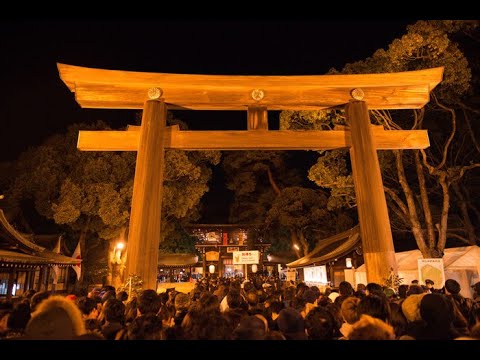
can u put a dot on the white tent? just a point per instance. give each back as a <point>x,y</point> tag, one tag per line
<point>461,264</point>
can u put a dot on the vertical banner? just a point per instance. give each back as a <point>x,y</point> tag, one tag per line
<point>431,269</point>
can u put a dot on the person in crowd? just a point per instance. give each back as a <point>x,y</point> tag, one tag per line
<point>370,328</point>
<point>37,298</point>
<point>18,319</point>
<point>476,292</point>
<point>291,324</point>
<point>402,292</point>
<point>148,302</point>
<point>346,290</point>
<point>6,308</point>
<point>236,310</point>
<point>399,321</point>
<point>114,315</point>
<point>253,303</point>
<point>145,327</point>
<point>249,328</point>
<point>466,306</point>
<point>437,314</point>
<point>90,313</point>
<point>28,294</point>
<point>131,310</point>
<point>376,306</point>
<point>349,312</point>
<point>415,289</point>
<point>374,288</point>
<point>320,324</point>
<point>122,296</point>
<point>361,291</point>
<point>429,284</point>
<point>475,330</point>
<point>274,335</point>
<point>390,294</point>
<point>56,318</point>
<point>411,307</point>
<point>310,302</point>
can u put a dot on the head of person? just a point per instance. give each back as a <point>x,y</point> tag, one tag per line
<point>374,288</point>
<point>345,288</point>
<point>376,306</point>
<point>476,289</point>
<point>429,283</point>
<point>452,287</point>
<point>149,302</point>
<point>56,318</point>
<point>370,328</point>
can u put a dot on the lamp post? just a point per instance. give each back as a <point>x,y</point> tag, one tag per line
<point>117,264</point>
<point>118,251</point>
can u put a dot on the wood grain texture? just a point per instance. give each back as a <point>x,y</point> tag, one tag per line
<point>145,216</point>
<point>248,140</point>
<point>257,118</point>
<point>377,241</point>
<point>116,89</point>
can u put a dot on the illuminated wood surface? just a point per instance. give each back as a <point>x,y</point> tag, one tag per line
<point>257,118</point>
<point>145,216</point>
<point>250,140</point>
<point>116,89</point>
<point>377,241</point>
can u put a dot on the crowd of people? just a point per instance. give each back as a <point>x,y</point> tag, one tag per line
<point>261,308</point>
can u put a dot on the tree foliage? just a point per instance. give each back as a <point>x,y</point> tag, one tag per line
<point>418,182</point>
<point>256,178</point>
<point>90,193</point>
<point>300,210</point>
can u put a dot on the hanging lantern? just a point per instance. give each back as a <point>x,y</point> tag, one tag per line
<point>348,262</point>
<point>211,269</point>
<point>254,268</point>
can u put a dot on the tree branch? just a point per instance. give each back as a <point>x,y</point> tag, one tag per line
<point>461,238</point>
<point>412,211</point>
<point>424,200</point>
<point>452,134</point>
<point>442,230</point>
<point>397,200</point>
<point>272,182</point>
<point>462,171</point>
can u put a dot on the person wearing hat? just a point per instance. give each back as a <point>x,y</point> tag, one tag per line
<point>476,289</point>
<point>429,284</point>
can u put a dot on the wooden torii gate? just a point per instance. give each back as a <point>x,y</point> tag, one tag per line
<point>155,92</point>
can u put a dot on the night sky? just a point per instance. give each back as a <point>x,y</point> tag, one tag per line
<point>34,103</point>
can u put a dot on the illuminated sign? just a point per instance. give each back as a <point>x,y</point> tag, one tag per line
<point>246,257</point>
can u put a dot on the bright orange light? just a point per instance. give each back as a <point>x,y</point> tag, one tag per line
<point>120,245</point>
<point>296,247</point>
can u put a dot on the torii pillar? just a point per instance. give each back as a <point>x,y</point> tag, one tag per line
<point>377,241</point>
<point>145,216</point>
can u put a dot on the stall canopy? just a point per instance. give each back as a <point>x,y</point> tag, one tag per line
<point>330,248</point>
<point>460,263</point>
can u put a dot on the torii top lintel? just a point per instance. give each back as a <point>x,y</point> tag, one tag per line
<point>116,89</point>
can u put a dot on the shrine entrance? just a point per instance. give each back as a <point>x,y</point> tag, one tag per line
<point>157,92</point>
